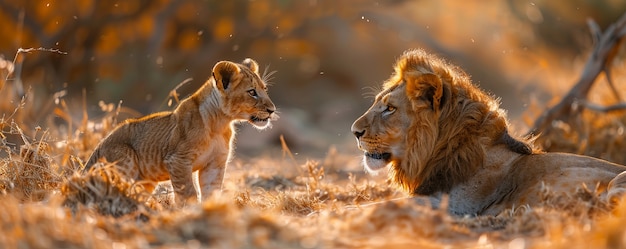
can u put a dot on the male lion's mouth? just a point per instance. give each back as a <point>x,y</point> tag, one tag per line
<point>376,161</point>
<point>379,156</point>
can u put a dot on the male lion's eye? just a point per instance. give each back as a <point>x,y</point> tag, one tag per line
<point>389,110</point>
<point>252,92</point>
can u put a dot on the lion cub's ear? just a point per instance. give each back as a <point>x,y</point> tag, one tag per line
<point>427,87</point>
<point>250,63</point>
<point>223,73</point>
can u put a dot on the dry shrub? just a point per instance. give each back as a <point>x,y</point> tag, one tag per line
<point>310,192</point>
<point>518,222</point>
<point>104,189</point>
<point>90,131</point>
<point>29,225</point>
<point>322,206</point>
<point>273,182</point>
<point>589,133</point>
<point>6,68</point>
<point>583,202</point>
<point>288,202</point>
<point>32,175</point>
<point>399,224</point>
<point>609,230</point>
<point>220,223</point>
<point>366,191</point>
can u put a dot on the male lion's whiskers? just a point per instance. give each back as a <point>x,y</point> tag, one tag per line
<point>371,91</point>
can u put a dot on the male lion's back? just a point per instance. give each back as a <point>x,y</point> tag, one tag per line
<point>562,173</point>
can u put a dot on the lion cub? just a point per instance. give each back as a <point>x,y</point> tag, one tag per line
<point>197,135</point>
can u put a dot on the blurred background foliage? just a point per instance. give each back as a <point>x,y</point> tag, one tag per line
<point>330,56</point>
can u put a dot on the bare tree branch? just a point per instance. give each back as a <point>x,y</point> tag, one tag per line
<point>605,109</point>
<point>596,32</point>
<point>603,53</point>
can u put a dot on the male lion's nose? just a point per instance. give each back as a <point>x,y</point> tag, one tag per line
<point>357,129</point>
<point>270,111</point>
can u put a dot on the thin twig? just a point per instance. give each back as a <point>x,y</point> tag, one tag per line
<point>18,66</point>
<point>174,94</point>
<point>286,150</point>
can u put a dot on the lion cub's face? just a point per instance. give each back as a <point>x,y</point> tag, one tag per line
<point>244,93</point>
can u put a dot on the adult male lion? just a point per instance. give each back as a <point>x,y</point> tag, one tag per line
<point>443,136</point>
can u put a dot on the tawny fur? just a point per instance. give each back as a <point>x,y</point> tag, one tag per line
<point>198,135</point>
<point>442,136</point>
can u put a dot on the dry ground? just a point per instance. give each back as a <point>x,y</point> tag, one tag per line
<point>269,202</point>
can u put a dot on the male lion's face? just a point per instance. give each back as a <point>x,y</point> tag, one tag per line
<point>244,93</point>
<point>404,116</point>
<point>381,131</point>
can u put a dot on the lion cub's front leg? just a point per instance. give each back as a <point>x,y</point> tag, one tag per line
<point>211,176</point>
<point>180,170</point>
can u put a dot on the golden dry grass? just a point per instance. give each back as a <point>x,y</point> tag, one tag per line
<point>46,203</point>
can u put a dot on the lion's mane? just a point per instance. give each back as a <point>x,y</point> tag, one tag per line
<point>444,152</point>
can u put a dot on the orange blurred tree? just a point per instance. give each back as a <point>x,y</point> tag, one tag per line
<point>144,43</point>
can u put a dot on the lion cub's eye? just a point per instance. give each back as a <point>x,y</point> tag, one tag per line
<point>252,93</point>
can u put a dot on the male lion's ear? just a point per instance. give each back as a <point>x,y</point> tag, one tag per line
<point>427,87</point>
<point>250,63</point>
<point>223,72</point>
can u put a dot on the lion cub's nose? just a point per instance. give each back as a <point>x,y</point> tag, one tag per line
<point>270,111</point>
<point>358,134</point>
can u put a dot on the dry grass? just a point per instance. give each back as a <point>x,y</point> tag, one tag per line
<point>45,203</point>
